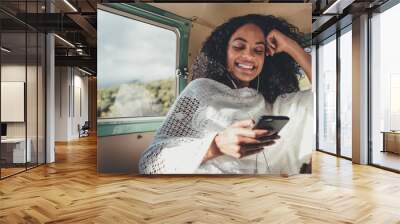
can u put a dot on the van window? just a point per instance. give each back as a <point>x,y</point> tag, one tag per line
<point>136,76</point>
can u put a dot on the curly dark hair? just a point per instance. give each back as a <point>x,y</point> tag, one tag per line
<point>280,73</point>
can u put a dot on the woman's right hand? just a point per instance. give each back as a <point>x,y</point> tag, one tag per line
<point>231,140</point>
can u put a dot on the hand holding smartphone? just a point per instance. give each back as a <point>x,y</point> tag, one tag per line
<point>273,124</point>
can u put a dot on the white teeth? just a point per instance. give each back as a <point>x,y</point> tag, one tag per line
<point>245,66</point>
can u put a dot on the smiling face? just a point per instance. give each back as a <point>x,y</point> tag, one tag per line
<point>245,54</point>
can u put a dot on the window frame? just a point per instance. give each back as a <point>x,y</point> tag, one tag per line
<point>326,34</point>
<point>371,14</point>
<point>333,37</point>
<point>341,32</point>
<point>154,16</point>
<point>41,36</point>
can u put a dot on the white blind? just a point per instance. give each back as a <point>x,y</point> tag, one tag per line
<point>12,101</point>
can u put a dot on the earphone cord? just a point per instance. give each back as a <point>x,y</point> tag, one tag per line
<point>265,158</point>
<point>266,161</point>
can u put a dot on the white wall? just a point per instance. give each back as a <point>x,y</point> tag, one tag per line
<point>12,100</point>
<point>33,125</point>
<point>79,117</point>
<point>71,87</point>
<point>17,73</point>
<point>12,73</point>
<point>62,81</point>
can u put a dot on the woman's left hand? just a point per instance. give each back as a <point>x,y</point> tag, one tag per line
<point>278,42</point>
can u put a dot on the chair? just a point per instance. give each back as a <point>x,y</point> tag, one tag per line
<point>84,130</point>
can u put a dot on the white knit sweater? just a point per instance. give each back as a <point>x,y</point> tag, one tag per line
<point>207,107</point>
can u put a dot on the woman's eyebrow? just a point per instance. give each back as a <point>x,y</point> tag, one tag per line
<point>261,42</point>
<point>244,40</point>
<point>240,38</point>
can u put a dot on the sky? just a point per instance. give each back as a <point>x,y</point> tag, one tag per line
<point>130,50</point>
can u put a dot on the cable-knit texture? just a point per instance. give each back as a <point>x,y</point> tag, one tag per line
<point>206,107</point>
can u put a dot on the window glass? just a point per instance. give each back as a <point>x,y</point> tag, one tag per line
<point>32,97</point>
<point>14,152</point>
<point>346,94</point>
<point>394,101</point>
<point>327,96</point>
<point>385,88</point>
<point>136,76</point>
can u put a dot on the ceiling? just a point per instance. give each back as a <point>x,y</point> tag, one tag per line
<point>332,15</point>
<point>78,26</point>
<point>213,14</point>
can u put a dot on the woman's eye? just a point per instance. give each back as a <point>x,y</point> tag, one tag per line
<point>238,47</point>
<point>259,51</point>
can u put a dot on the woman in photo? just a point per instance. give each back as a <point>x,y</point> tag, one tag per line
<point>248,67</point>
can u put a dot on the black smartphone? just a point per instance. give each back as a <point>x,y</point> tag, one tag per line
<point>271,123</point>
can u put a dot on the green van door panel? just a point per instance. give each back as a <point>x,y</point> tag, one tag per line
<point>121,126</point>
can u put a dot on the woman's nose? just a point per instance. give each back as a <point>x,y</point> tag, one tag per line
<point>248,54</point>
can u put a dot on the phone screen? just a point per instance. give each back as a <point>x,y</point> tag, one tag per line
<point>271,123</point>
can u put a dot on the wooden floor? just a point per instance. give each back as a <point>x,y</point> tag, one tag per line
<point>387,159</point>
<point>70,191</point>
<point>5,172</point>
<point>8,171</point>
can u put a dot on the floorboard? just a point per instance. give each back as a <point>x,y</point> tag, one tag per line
<point>71,191</point>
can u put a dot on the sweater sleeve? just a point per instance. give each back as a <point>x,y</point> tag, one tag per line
<point>297,137</point>
<point>181,142</point>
